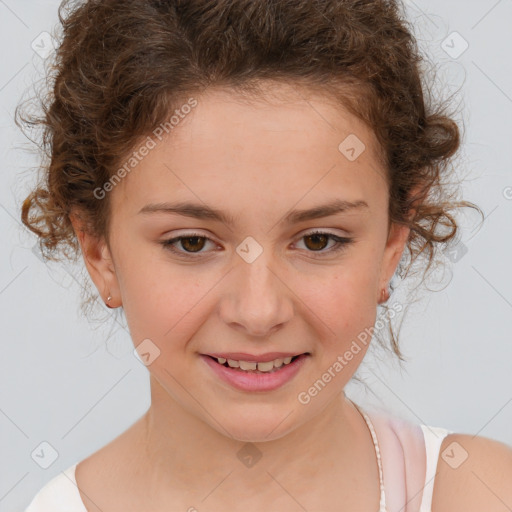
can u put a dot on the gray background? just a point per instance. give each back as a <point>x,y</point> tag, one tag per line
<point>77,386</point>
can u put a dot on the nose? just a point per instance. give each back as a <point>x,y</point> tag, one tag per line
<point>257,301</point>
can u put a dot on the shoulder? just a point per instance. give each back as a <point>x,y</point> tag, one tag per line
<point>59,493</point>
<point>473,474</point>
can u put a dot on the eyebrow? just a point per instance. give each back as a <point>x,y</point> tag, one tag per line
<point>199,211</point>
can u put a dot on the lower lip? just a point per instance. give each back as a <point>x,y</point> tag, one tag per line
<point>246,381</point>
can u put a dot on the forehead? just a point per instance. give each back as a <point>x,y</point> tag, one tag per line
<point>288,141</point>
<point>276,114</point>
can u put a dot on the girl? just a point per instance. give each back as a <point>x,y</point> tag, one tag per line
<point>244,178</point>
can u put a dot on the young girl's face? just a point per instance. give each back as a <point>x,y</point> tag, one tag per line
<point>259,281</point>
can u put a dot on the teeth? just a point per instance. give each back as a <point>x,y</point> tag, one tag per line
<point>267,366</point>
<point>264,367</point>
<point>248,365</point>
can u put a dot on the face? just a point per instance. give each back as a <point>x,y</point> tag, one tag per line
<point>254,278</point>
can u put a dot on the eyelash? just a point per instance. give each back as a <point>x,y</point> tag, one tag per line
<point>341,243</point>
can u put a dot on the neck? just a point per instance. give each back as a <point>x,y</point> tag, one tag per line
<point>180,448</point>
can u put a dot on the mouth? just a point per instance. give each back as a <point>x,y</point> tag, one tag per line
<point>255,364</point>
<point>256,375</point>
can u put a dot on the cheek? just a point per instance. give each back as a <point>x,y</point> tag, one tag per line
<point>344,296</point>
<point>162,300</point>
<point>343,310</point>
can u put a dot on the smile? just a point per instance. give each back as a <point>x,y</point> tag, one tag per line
<point>254,366</point>
<point>254,375</point>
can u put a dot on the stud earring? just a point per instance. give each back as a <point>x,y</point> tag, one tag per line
<point>384,295</point>
<point>109,298</point>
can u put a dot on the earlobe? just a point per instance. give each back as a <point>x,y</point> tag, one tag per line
<point>98,261</point>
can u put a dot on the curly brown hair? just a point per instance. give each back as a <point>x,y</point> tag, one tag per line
<point>123,65</point>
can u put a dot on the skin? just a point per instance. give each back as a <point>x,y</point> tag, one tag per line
<point>256,161</point>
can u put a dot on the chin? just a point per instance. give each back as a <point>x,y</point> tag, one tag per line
<point>256,426</point>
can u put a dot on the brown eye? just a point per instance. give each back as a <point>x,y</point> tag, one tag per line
<point>192,244</point>
<point>319,241</point>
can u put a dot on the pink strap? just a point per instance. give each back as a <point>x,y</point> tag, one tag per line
<point>402,448</point>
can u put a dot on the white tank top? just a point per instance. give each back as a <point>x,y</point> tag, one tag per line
<point>406,453</point>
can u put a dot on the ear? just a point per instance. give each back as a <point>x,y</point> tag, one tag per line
<point>98,260</point>
<point>395,245</point>
<point>398,235</point>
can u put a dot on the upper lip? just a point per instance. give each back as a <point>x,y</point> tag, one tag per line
<point>262,358</point>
